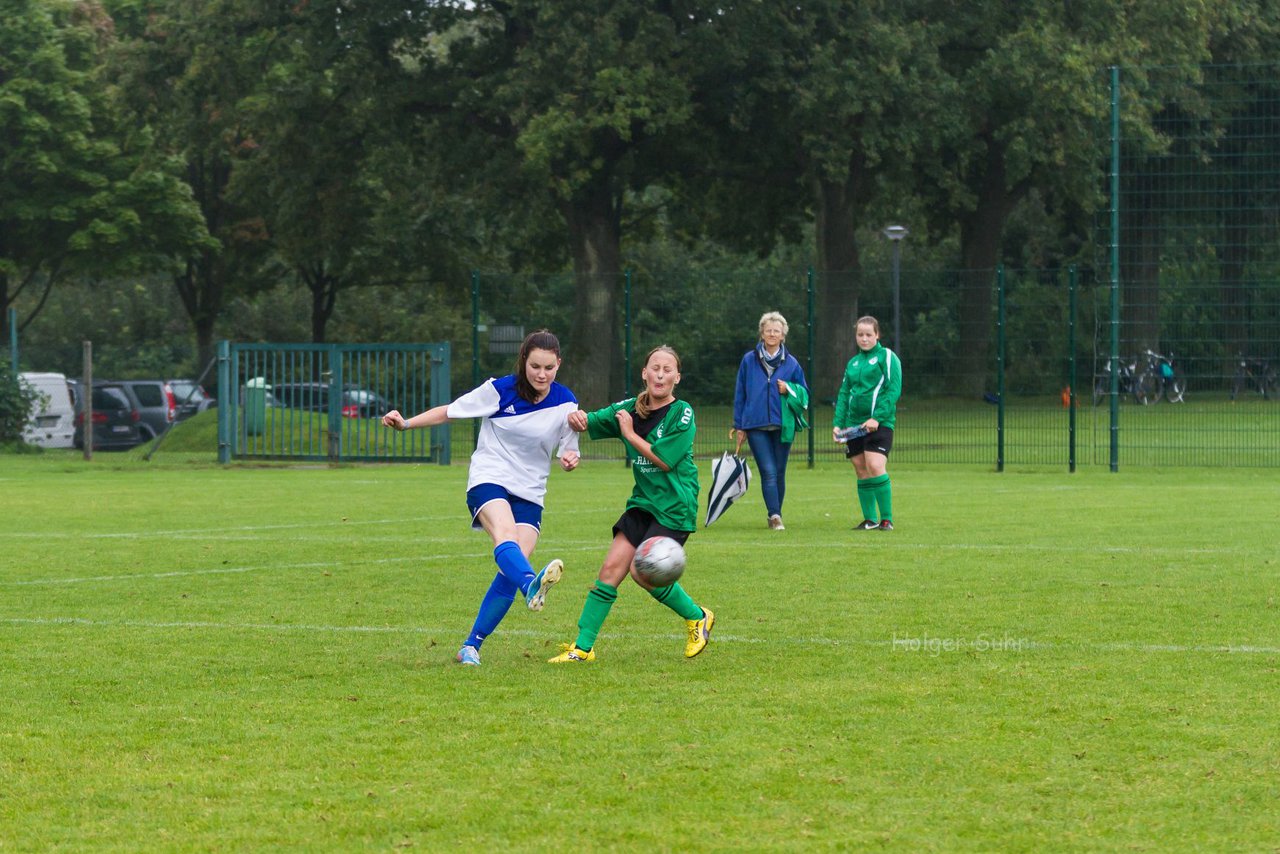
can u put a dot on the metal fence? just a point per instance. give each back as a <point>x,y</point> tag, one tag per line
<point>1030,385</point>
<point>326,401</point>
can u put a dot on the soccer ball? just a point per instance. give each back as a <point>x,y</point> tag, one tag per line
<point>660,561</point>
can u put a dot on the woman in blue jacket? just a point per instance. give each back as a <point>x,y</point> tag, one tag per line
<point>768,404</point>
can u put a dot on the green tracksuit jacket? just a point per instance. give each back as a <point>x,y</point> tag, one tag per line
<point>870,388</point>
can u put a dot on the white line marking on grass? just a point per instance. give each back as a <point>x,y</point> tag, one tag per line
<point>232,570</point>
<point>1107,646</point>
<point>217,532</point>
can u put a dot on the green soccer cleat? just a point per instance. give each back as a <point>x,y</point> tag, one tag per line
<point>572,654</point>
<point>536,595</point>
<point>699,633</point>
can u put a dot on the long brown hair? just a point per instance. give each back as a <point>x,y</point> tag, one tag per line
<point>643,407</point>
<point>540,340</point>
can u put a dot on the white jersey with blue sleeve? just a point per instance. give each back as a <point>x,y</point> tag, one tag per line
<point>518,439</point>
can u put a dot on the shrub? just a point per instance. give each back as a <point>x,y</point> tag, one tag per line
<point>16,399</point>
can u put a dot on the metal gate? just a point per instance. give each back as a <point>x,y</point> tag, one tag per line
<point>326,401</point>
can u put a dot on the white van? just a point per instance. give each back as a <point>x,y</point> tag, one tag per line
<point>53,417</point>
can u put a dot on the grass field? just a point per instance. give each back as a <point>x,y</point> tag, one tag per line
<point>256,658</point>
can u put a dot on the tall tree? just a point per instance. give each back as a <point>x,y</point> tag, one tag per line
<point>81,190</point>
<point>813,113</point>
<point>185,66</point>
<point>1030,102</point>
<point>582,102</point>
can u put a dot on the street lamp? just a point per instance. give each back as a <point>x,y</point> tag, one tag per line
<point>895,233</point>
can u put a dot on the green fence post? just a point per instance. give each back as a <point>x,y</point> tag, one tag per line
<point>809,361</point>
<point>334,449</point>
<point>226,408</point>
<point>441,446</point>
<point>1115,268</point>
<point>1072,284</point>
<point>1000,354</point>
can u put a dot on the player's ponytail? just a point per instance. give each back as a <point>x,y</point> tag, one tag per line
<point>643,407</point>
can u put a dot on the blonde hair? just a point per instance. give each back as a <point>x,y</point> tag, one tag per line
<point>774,317</point>
<point>643,407</point>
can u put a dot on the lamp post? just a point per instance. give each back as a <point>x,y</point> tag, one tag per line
<point>895,233</point>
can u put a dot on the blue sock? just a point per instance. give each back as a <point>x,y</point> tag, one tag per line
<point>513,564</point>
<point>493,607</point>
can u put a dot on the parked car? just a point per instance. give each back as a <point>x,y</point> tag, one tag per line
<point>356,402</point>
<point>52,420</point>
<point>190,398</point>
<point>154,399</point>
<point>116,420</point>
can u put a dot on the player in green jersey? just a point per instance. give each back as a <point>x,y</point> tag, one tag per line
<point>868,398</point>
<point>657,431</point>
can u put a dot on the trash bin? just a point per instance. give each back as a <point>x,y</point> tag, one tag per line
<point>255,406</point>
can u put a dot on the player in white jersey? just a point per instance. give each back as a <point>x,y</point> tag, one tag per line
<point>525,425</point>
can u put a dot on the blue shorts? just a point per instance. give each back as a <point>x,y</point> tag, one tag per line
<point>524,511</point>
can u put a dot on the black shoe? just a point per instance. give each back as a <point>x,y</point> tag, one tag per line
<point>865,525</point>
<point>886,525</point>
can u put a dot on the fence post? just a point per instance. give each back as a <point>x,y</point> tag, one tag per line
<point>1072,283</point>
<point>1115,268</point>
<point>225,407</point>
<point>86,397</point>
<point>812,397</point>
<point>441,444</point>
<point>1000,354</point>
<point>336,383</point>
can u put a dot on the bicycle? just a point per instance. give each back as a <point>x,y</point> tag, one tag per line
<point>1125,382</point>
<point>1258,374</point>
<point>1159,377</point>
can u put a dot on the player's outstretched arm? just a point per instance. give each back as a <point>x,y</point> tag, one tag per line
<point>432,417</point>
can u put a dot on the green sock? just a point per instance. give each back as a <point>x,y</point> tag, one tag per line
<point>594,612</point>
<point>883,495</point>
<point>867,498</point>
<point>674,597</point>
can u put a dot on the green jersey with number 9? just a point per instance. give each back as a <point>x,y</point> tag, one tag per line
<point>671,496</point>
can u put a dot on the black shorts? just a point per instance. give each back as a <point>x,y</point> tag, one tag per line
<point>880,440</point>
<point>638,525</point>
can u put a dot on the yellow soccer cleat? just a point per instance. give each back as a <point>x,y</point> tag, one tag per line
<point>572,654</point>
<point>699,633</point>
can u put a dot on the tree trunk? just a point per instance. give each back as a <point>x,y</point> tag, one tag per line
<point>1233,286</point>
<point>593,217</point>
<point>981,232</point>
<point>200,287</point>
<point>837,285</point>
<point>324,296</point>
<point>1139,276</point>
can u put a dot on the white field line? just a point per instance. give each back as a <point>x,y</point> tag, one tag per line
<point>570,546</point>
<point>217,532</point>
<point>896,645</point>
<point>233,570</point>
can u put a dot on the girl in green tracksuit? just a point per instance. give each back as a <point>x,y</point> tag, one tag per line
<point>657,431</point>
<point>868,398</point>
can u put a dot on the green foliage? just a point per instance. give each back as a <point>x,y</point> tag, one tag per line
<point>81,188</point>
<point>1005,671</point>
<point>16,400</point>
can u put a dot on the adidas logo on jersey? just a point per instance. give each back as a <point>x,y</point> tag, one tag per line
<point>510,409</point>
